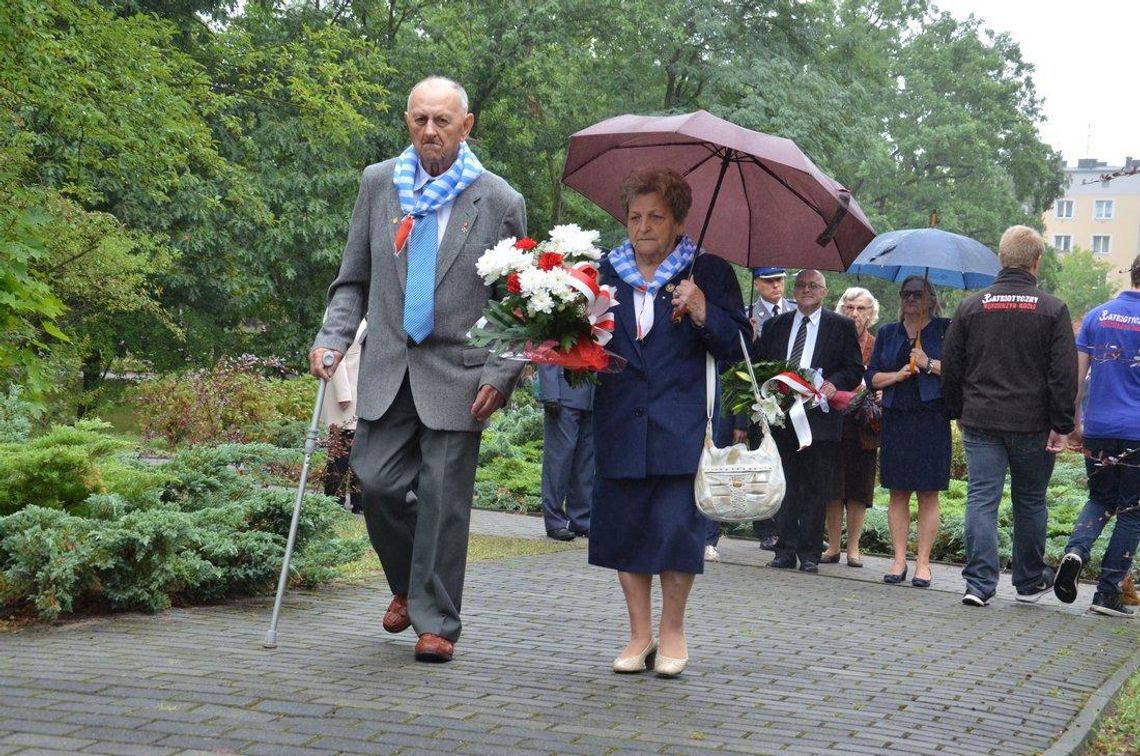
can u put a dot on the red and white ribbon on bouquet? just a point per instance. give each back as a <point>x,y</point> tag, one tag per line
<point>804,393</point>
<point>599,300</point>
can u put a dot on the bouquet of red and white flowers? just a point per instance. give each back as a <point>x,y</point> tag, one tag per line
<point>554,311</point>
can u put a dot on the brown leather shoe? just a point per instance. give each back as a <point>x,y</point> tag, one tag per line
<point>396,618</point>
<point>432,648</point>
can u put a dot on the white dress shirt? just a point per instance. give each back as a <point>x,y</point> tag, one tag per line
<point>812,333</point>
<point>442,213</point>
<point>643,312</point>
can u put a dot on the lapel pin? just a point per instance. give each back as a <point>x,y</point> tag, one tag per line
<point>670,287</point>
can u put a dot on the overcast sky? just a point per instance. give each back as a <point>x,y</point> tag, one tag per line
<point>1087,55</point>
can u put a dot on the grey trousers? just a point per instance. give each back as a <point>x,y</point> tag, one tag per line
<point>567,469</point>
<point>421,540</point>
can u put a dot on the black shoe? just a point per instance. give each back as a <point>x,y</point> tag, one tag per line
<point>1110,604</point>
<point>808,566</point>
<point>582,533</point>
<point>560,534</point>
<point>890,579</point>
<point>768,543</point>
<point>972,598</point>
<point>783,563</point>
<point>1034,593</point>
<point>1065,586</point>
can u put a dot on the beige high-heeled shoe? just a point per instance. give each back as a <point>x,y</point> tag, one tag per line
<point>638,662</point>
<point>666,666</point>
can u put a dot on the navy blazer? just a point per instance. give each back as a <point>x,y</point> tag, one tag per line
<point>836,355</point>
<point>889,341</point>
<point>649,419</point>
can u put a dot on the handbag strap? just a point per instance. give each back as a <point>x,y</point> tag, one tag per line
<point>710,382</point>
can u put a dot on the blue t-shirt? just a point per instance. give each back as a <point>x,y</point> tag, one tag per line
<point>1110,335</point>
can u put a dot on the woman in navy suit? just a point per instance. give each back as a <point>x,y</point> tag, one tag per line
<point>649,419</point>
<point>915,444</point>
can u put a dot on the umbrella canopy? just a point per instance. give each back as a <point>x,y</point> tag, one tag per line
<point>757,199</point>
<point>945,259</point>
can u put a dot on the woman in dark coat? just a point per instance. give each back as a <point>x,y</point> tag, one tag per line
<point>649,419</point>
<point>914,454</point>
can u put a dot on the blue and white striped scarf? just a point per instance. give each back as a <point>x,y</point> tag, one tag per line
<point>441,189</point>
<point>625,265</point>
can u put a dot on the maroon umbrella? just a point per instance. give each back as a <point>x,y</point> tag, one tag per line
<point>771,205</point>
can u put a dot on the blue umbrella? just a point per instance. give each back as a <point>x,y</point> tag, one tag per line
<point>943,258</point>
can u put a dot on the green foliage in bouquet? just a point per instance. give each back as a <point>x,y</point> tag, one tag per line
<point>736,388</point>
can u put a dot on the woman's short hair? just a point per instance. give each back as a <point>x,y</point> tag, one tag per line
<point>855,292</point>
<point>1020,247</point>
<point>934,310</point>
<point>663,181</point>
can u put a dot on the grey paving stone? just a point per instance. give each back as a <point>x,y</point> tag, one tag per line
<point>531,673</point>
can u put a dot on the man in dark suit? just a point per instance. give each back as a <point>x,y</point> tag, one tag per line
<point>567,453</point>
<point>420,223</point>
<point>811,336</point>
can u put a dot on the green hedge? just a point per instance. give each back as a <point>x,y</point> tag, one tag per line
<point>92,529</point>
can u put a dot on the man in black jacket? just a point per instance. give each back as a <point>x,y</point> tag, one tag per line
<point>1009,376</point>
<point>811,337</point>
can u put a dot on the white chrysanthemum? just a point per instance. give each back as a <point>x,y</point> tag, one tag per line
<point>540,301</point>
<point>573,241</point>
<point>502,259</point>
<point>558,284</point>
<point>533,281</point>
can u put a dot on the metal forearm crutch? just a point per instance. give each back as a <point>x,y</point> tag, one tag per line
<point>310,447</point>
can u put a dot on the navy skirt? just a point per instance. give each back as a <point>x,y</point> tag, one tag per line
<point>914,451</point>
<point>647,525</point>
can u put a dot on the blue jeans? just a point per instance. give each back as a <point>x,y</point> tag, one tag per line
<point>988,456</point>
<point>1113,490</point>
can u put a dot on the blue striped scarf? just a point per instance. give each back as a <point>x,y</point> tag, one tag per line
<point>440,190</point>
<point>625,265</point>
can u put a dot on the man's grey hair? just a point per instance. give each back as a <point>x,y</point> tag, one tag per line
<point>812,270</point>
<point>440,80</point>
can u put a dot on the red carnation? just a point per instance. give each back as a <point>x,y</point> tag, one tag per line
<point>513,285</point>
<point>526,243</point>
<point>549,260</point>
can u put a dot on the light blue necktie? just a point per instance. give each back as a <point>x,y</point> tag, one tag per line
<point>419,295</point>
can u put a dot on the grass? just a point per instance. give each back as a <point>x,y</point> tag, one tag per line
<point>1119,731</point>
<point>480,548</point>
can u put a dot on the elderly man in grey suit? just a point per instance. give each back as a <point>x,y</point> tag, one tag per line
<point>567,453</point>
<point>421,221</point>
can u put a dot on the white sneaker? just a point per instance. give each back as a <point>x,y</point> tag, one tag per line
<point>711,554</point>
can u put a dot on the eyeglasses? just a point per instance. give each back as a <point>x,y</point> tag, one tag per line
<point>911,293</point>
<point>812,286</point>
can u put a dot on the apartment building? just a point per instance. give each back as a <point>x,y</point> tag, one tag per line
<point>1099,215</point>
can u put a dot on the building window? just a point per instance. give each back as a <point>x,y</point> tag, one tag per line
<point>1100,244</point>
<point>1102,210</point>
<point>1062,242</point>
<point>1064,208</point>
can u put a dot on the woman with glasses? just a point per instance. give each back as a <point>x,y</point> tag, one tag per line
<point>859,456</point>
<point>915,444</point>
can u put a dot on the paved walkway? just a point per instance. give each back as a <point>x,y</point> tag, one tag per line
<point>779,662</point>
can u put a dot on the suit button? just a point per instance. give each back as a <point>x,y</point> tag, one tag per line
<point>638,412</point>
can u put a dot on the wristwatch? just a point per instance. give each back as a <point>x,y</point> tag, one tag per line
<point>929,369</point>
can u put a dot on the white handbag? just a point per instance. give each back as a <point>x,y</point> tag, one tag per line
<point>736,484</point>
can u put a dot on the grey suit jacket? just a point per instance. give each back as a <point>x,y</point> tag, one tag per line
<point>760,312</point>
<point>445,372</point>
<point>552,387</point>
